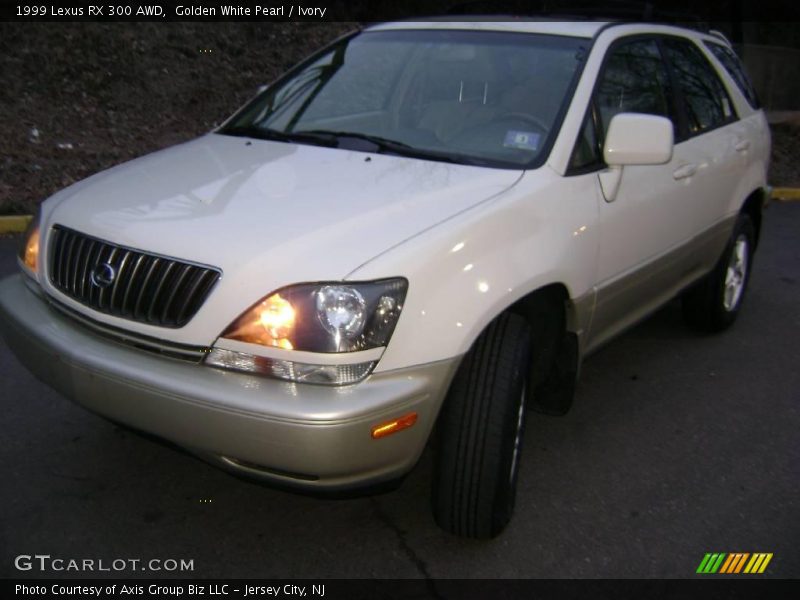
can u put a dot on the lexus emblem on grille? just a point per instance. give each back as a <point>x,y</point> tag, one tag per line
<point>103,275</point>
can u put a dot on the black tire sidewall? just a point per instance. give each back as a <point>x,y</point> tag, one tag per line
<point>473,492</point>
<point>506,489</point>
<point>723,316</point>
<point>704,303</point>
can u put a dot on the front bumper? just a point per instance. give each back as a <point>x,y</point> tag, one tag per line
<point>301,435</point>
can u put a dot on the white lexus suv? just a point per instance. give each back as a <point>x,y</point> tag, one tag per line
<point>416,234</point>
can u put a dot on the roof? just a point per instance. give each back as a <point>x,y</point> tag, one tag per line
<point>582,29</point>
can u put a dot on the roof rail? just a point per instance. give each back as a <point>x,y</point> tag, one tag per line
<point>625,10</point>
<point>720,36</point>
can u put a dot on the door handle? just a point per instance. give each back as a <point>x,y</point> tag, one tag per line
<point>742,145</point>
<point>684,171</point>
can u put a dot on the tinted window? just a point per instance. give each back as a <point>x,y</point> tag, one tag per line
<point>705,100</point>
<point>736,70</point>
<point>635,80</point>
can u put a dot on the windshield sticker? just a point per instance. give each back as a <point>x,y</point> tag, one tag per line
<point>522,140</point>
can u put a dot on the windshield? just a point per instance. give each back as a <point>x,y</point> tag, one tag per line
<point>476,97</point>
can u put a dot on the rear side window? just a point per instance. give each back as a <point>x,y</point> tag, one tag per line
<point>735,69</point>
<point>705,101</point>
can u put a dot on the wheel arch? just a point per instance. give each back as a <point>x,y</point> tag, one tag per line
<point>555,320</point>
<point>545,310</point>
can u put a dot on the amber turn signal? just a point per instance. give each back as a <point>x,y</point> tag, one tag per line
<point>29,252</point>
<point>269,323</point>
<point>32,251</point>
<point>393,426</point>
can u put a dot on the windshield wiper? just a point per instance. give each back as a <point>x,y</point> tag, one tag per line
<point>333,139</point>
<point>388,146</point>
<point>381,142</point>
<point>280,136</point>
<point>330,138</point>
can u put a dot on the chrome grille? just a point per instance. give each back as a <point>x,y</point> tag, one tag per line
<point>127,283</point>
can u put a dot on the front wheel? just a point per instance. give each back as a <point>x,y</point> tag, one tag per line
<point>481,430</point>
<point>714,302</point>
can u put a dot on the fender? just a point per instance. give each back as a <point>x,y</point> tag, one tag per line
<point>467,270</point>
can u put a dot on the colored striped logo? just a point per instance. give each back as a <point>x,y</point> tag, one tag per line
<point>735,562</point>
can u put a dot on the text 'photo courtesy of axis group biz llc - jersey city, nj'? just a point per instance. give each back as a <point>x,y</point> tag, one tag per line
<point>171,590</point>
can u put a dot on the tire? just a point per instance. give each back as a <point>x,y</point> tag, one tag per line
<point>480,432</point>
<point>715,301</point>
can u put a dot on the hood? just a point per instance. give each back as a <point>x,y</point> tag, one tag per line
<point>270,214</point>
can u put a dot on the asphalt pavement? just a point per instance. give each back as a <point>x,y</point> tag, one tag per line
<point>678,444</point>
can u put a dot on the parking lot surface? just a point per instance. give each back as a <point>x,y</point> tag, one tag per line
<point>678,444</point>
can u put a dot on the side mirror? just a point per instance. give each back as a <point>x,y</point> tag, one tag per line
<point>637,139</point>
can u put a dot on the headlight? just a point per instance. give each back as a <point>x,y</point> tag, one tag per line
<point>342,311</point>
<point>322,318</point>
<point>29,251</point>
<point>325,317</point>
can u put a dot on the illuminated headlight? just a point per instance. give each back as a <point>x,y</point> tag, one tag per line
<point>29,251</point>
<point>323,318</point>
<point>342,312</point>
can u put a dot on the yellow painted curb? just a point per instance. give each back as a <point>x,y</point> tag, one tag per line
<point>14,223</point>
<point>786,194</point>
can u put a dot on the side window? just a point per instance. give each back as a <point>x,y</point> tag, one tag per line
<point>634,79</point>
<point>736,70</point>
<point>705,100</point>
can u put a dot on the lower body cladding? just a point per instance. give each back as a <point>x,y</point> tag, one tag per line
<point>305,436</point>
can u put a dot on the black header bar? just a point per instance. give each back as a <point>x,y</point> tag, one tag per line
<point>382,10</point>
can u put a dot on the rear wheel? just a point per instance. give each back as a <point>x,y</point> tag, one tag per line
<point>481,431</point>
<point>714,302</point>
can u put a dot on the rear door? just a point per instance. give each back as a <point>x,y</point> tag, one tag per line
<point>715,141</point>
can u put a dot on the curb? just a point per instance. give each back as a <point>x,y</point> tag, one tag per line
<point>785,194</point>
<point>15,223</point>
